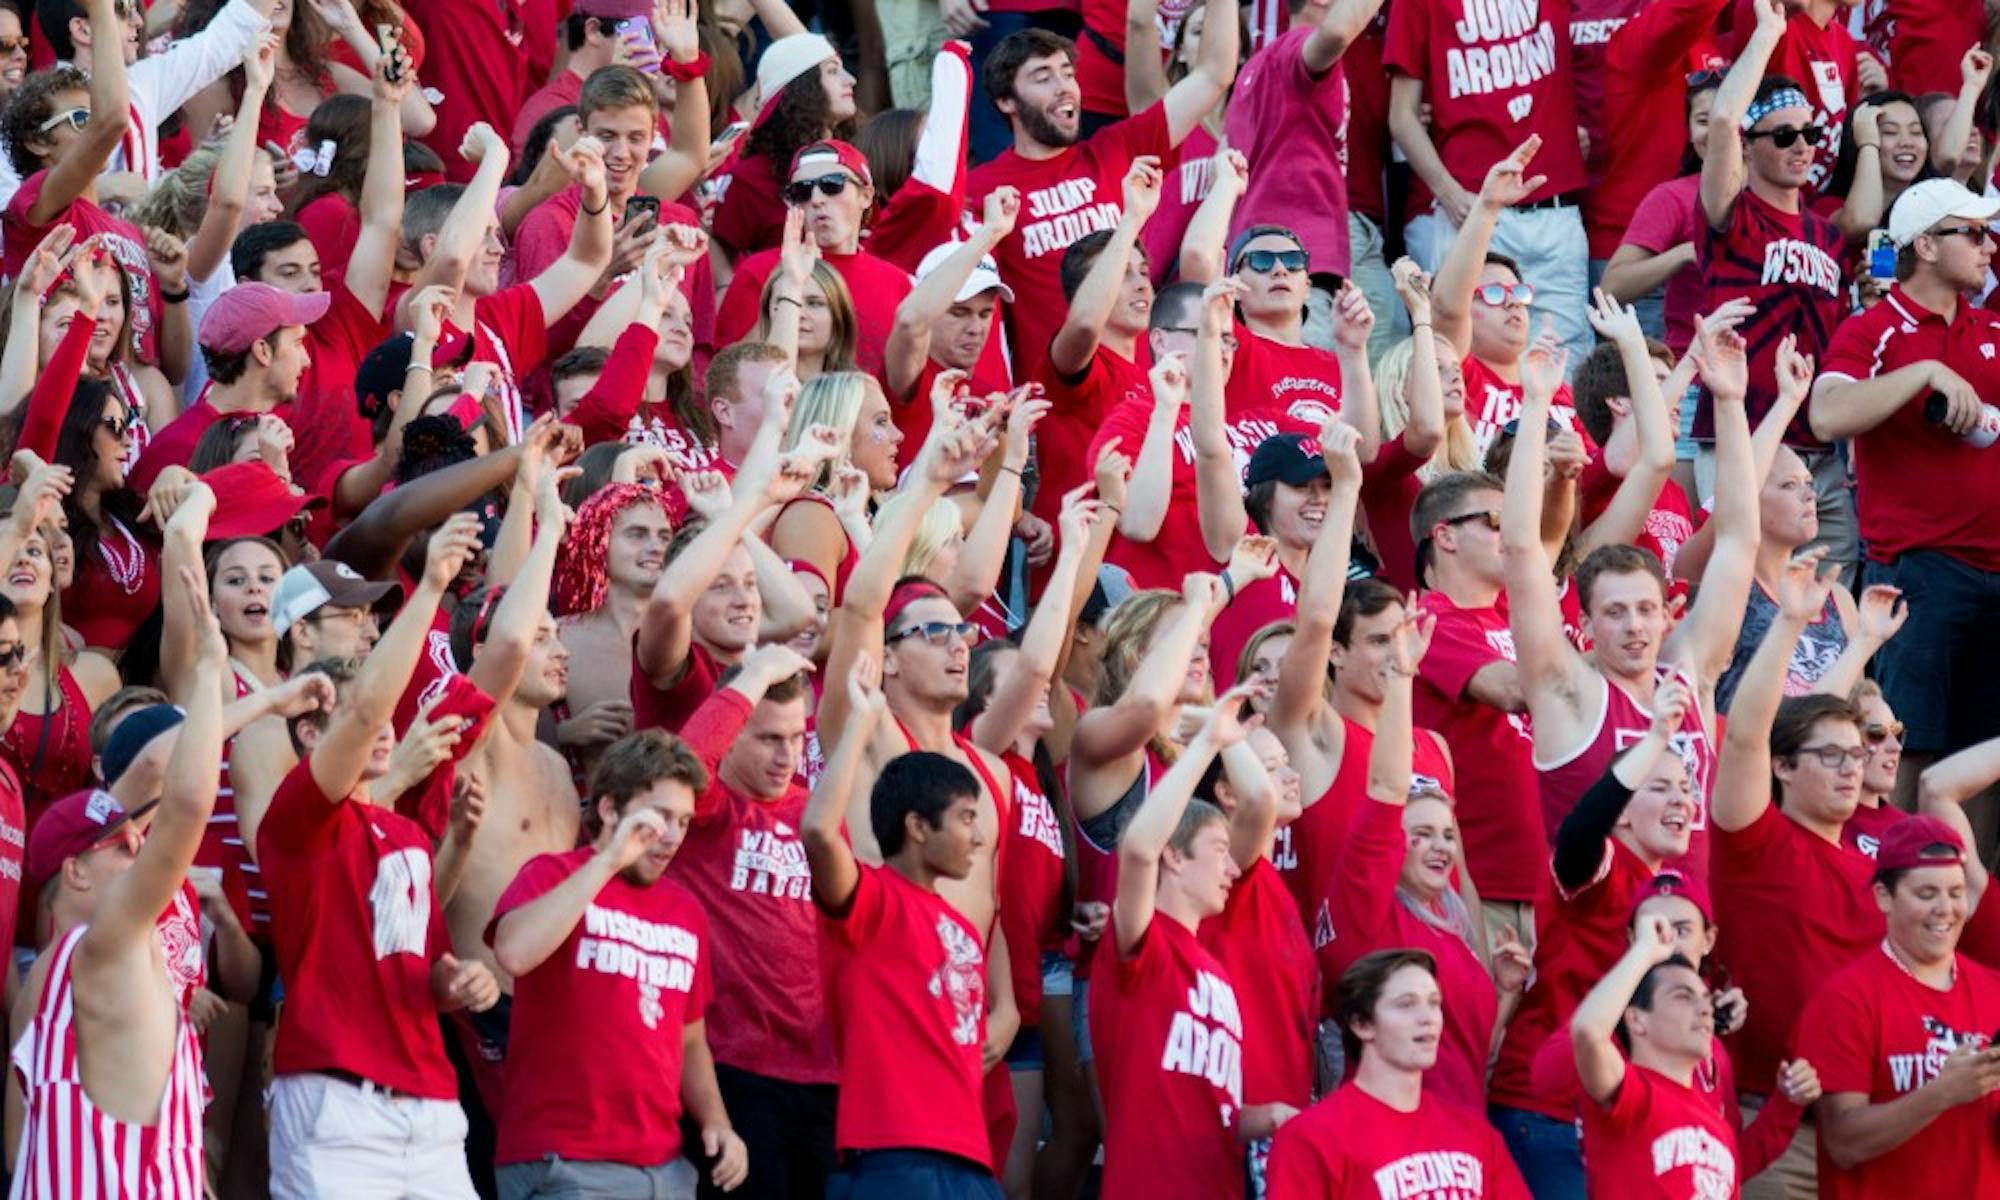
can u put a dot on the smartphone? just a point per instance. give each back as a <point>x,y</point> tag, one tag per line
<point>736,129</point>
<point>388,37</point>
<point>639,32</point>
<point>1881,254</point>
<point>639,206</point>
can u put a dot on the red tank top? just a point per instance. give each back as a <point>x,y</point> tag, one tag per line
<point>1623,722</point>
<point>1031,882</point>
<point>1305,851</point>
<point>847,559</point>
<point>51,751</point>
<point>72,1151</point>
<point>115,589</point>
<point>222,848</point>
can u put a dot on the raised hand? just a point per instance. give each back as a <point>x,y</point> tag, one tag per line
<point>637,831</point>
<point>1974,69</point>
<point>1340,449</point>
<point>211,649</point>
<point>864,695</point>
<point>774,662</point>
<point>1232,169</point>
<point>1141,189</point>
<point>1615,321</point>
<point>797,252</point>
<point>46,263</point>
<point>1867,132</point>
<point>260,64</point>
<point>1507,181</point>
<point>1671,703</point>
<point>1001,210</point>
<point>1411,639</point>
<point>308,691</point>
<point>1413,285</point>
<point>1795,370</point>
<point>675,30</point>
<point>430,310</point>
<point>584,160</point>
<point>1203,592</point>
<point>1227,722</point>
<point>1544,366</point>
<point>480,144</point>
<point>468,806</point>
<point>1880,612</point>
<point>1254,559</point>
<point>1218,304</point>
<point>1079,510</point>
<point>1567,456</point>
<point>1027,408</point>
<point>469,984</point>
<point>707,492</point>
<point>1511,961</point>
<point>1110,474</point>
<point>41,491</point>
<point>451,547</point>
<point>1803,588</point>
<point>599,725</point>
<point>1719,356</point>
<point>1352,319</point>
<point>1653,936</point>
<point>1169,378</point>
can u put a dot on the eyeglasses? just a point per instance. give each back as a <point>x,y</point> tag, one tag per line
<point>117,427</point>
<point>1784,135</point>
<point>1493,295</point>
<point>1834,757</point>
<point>13,45</point>
<point>1266,261</point>
<point>75,118</point>
<point>939,633</point>
<point>798,193</point>
<point>1490,516</point>
<point>1875,735</point>
<point>1228,339</point>
<point>1978,233</point>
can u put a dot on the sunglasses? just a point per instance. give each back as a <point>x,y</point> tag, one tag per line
<point>1875,735</point>
<point>939,633</point>
<point>1228,339</point>
<point>1490,516</point>
<point>14,655</point>
<point>1493,295</point>
<point>1978,233</point>
<point>797,194</point>
<point>1706,78</point>
<point>115,426</point>
<point>1263,262</point>
<point>1513,427</point>
<point>1783,136</point>
<point>75,118</point>
<point>13,45</point>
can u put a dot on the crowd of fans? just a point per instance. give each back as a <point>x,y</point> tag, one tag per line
<point>1029,598</point>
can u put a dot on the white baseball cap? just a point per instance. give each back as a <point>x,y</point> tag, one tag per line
<point>985,277</point>
<point>785,60</point>
<point>1923,205</point>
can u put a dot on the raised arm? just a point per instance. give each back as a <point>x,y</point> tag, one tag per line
<point>1112,733</point>
<point>1423,388</point>
<point>517,619</point>
<point>1353,320</point>
<point>1878,614</point>
<point>566,281</point>
<point>1090,308</point>
<point>1707,637</point>
<point>1017,692</point>
<point>1301,692</point>
<point>831,856</point>
<point>526,936</point>
<point>122,927</point>
<point>342,752</point>
<point>1580,840</point>
<point>1973,71</point>
<point>1722,166</point>
<point>909,344</point>
<point>1942,791</point>
<point>1205,244</point>
<point>1389,759</point>
<point>1507,184</point>
<point>1552,674</point>
<point>1188,101</point>
<point>229,186</point>
<point>1145,61</point>
<point>73,171</point>
<point>676,171</point>
<point>1254,820</point>
<point>1150,492</point>
<point>1339,25</point>
<point>1863,208</point>
<point>1144,841</point>
<point>372,266</point>
<point>1743,770</point>
<point>1218,482</point>
<point>464,229</point>
<point>1625,517</point>
<point>1600,1065</point>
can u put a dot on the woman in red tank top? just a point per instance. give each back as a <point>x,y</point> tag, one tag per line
<point>814,526</point>
<point>48,743</point>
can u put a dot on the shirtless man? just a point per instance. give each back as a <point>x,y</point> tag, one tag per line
<point>506,639</point>
<point>622,532</point>
<point>924,645</point>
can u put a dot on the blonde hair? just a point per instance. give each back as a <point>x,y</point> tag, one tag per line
<point>841,338</point>
<point>1460,451</point>
<point>833,399</point>
<point>180,196</point>
<point>940,524</point>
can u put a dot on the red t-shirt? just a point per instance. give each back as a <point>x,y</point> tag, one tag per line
<point>19,237</point>
<point>1255,606</point>
<point>1578,935</point>
<point>1368,915</point>
<point>1926,40</point>
<point>1077,191</point>
<point>509,331</point>
<point>1498,816</point>
<point>1351,1146</point>
<point>743,860</point>
<point>1389,490</point>
<point>1873,1030</point>
<point>562,89</point>
<point>478,58</point>
<point>1491,402</point>
<point>905,977</point>
<point>173,445</point>
<point>1658,1141</point>
<point>1276,388</point>
<point>357,927</point>
<point>669,708</point>
<point>1031,884</point>
<point>332,224</point>
<point>1258,936</point>
<point>632,974</point>
<point>1368,123</point>
<point>1799,909</point>
<point>1669,216</point>
<point>1592,24</point>
<point>1896,516</point>
<point>1178,547</point>
<point>329,433</point>
<point>1292,127</point>
<point>1169,1041</point>
<point>13,845</point>
<point>1822,61</point>
<point>1187,184</point>
<point>1865,828</point>
<point>877,285</point>
<point>1788,266</point>
<point>749,206</point>
<point>1646,64</point>
<point>106,604</point>
<point>1493,74</point>
<point>1668,525</point>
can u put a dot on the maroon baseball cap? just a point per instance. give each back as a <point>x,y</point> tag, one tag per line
<point>1672,883</point>
<point>251,501</point>
<point>829,154</point>
<point>73,825</point>
<point>613,10</point>
<point>250,311</point>
<point>1918,841</point>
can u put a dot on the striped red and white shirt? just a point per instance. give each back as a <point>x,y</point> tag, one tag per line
<point>72,1151</point>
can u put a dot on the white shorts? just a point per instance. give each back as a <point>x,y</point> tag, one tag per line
<point>331,1137</point>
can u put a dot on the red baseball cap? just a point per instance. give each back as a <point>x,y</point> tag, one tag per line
<point>832,153</point>
<point>1914,842</point>
<point>1672,883</point>
<point>252,501</point>
<point>73,825</point>
<point>250,311</point>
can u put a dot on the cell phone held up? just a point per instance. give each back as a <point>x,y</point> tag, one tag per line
<point>642,207</point>
<point>390,39</point>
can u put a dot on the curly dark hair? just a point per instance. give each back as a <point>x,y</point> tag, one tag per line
<point>801,117</point>
<point>31,104</point>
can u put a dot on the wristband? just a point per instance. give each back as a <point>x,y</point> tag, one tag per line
<point>1228,588</point>
<point>591,212</point>
<point>687,72</point>
<point>167,297</point>
<point>1015,471</point>
<point>787,300</point>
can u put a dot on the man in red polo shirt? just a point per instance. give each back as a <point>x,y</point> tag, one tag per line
<point>1906,381</point>
<point>1904,1041</point>
<point>1069,186</point>
<point>1491,73</point>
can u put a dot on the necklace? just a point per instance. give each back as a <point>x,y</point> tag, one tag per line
<point>1905,967</point>
<point>128,566</point>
